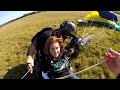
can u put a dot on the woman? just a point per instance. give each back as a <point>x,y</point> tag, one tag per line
<point>57,64</point>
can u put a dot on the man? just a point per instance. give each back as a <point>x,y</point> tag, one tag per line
<point>38,42</point>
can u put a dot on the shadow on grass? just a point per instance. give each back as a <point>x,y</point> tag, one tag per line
<point>18,72</point>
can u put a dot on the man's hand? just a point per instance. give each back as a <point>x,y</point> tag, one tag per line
<point>30,64</point>
<point>70,52</point>
<point>113,61</point>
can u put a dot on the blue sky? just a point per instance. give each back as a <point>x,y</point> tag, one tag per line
<point>6,16</point>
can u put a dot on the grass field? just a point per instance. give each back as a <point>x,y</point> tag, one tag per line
<point>15,38</point>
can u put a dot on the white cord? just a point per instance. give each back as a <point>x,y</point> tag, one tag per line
<point>25,74</point>
<point>85,31</point>
<point>101,62</point>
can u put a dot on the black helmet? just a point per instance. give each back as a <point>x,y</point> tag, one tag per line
<point>68,26</point>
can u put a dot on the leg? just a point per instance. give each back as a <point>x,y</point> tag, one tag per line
<point>38,70</point>
<point>73,76</point>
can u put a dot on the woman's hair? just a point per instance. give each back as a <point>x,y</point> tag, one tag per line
<point>51,40</point>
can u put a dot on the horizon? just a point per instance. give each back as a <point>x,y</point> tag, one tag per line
<point>6,16</point>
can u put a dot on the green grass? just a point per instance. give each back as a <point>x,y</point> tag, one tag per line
<point>15,38</point>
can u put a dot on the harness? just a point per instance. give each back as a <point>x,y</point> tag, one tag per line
<point>57,68</point>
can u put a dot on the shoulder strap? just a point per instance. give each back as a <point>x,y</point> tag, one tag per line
<point>42,32</point>
<point>45,29</point>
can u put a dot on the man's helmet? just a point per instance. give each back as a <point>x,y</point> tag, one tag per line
<point>68,26</point>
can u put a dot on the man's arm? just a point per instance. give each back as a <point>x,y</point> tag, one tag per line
<point>30,53</point>
<point>30,61</point>
<point>31,50</point>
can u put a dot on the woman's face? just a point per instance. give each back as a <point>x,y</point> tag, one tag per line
<point>55,49</point>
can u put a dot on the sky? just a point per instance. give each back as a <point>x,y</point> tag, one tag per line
<point>6,16</point>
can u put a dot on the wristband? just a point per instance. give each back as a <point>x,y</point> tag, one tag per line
<point>28,63</point>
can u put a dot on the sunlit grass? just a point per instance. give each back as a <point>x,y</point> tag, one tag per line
<point>15,38</point>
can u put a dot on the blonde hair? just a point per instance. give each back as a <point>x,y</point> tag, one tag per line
<point>51,40</point>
